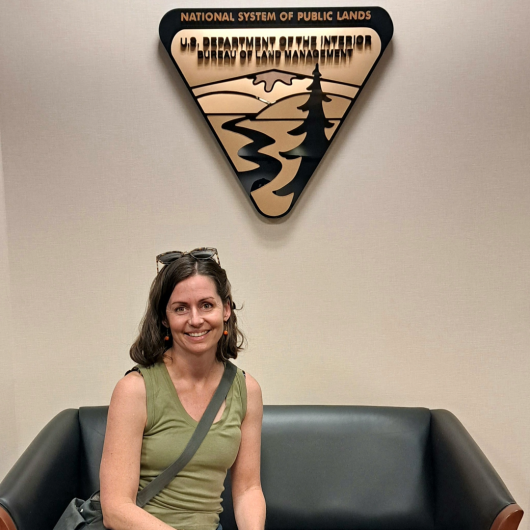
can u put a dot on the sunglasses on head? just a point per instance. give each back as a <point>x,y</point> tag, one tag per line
<point>202,253</point>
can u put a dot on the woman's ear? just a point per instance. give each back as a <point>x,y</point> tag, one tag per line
<point>227,311</point>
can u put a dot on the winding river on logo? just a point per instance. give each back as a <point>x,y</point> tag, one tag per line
<point>276,111</point>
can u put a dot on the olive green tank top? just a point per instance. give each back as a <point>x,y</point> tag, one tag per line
<point>192,501</point>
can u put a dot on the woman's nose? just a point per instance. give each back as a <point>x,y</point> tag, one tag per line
<point>195,317</point>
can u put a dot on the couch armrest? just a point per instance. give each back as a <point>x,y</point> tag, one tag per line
<point>509,518</point>
<point>6,523</point>
<point>44,479</point>
<point>470,495</point>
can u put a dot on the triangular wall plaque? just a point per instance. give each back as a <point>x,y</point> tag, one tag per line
<point>275,85</point>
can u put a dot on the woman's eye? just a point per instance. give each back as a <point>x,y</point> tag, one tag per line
<point>180,309</point>
<point>207,305</point>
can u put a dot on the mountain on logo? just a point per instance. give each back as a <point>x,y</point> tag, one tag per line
<point>274,98</point>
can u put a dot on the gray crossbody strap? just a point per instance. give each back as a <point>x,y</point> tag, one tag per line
<point>160,482</point>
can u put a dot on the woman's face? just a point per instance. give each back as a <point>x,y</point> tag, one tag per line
<point>196,315</point>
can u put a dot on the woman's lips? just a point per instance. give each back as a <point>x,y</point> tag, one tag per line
<point>197,334</point>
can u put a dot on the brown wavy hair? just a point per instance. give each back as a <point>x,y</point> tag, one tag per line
<point>150,346</point>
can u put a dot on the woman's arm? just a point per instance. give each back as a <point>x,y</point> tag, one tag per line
<point>249,503</point>
<point>120,464</point>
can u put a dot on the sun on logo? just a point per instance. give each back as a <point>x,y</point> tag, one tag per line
<point>275,86</point>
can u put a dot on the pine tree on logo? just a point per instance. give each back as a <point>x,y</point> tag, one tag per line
<point>315,143</point>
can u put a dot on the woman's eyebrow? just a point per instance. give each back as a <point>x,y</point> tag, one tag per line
<point>186,303</point>
<point>209,299</point>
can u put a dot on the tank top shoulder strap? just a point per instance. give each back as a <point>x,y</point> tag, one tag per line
<point>240,386</point>
<point>152,380</point>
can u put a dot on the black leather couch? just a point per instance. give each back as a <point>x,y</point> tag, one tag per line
<point>323,468</point>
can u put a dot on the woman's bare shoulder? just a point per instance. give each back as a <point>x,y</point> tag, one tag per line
<point>254,396</point>
<point>129,394</point>
<point>131,385</point>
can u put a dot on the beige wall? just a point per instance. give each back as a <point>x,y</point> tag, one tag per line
<point>8,433</point>
<point>401,277</point>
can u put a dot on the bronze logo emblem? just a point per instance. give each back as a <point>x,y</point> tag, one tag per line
<point>275,85</point>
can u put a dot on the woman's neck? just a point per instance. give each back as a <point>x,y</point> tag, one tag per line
<point>191,367</point>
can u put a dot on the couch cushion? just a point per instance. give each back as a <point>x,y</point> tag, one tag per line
<point>346,468</point>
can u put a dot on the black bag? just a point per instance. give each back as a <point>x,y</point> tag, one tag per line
<point>81,515</point>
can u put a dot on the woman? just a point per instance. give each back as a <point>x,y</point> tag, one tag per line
<point>188,332</point>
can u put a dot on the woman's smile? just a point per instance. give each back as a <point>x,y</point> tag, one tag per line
<point>197,334</point>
